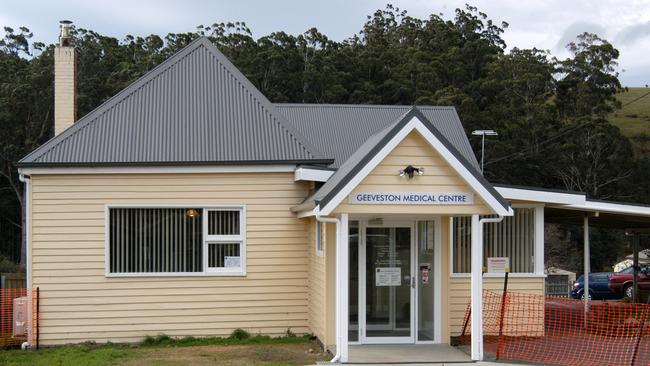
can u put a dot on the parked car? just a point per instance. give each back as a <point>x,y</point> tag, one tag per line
<point>598,287</point>
<point>621,282</point>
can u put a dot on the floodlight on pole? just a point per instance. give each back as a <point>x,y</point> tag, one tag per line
<point>483,133</point>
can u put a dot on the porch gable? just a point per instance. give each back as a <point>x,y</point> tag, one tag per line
<point>379,166</point>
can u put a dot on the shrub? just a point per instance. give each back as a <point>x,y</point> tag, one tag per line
<point>239,334</point>
<point>156,340</point>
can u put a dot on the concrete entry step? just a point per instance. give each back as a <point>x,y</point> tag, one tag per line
<point>406,354</point>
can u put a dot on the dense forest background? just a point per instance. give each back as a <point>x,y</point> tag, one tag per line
<point>551,114</point>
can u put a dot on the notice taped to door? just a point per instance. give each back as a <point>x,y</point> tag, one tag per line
<point>388,276</point>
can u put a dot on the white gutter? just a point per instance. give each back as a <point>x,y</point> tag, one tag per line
<point>337,356</point>
<point>477,284</point>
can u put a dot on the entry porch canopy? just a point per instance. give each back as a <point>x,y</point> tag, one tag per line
<point>566,207</point>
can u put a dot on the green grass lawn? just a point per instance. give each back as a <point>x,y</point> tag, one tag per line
<point>164,351</point>
<point>634,118</point>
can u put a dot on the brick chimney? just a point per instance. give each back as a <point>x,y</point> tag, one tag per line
<point>65,79</point>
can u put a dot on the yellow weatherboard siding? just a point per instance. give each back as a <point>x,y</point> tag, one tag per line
<point>438,176</point>
<point>79,303</point>
<point>317,284</point>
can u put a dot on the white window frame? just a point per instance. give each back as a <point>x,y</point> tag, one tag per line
<point>538,246</point>
<point>318,239</point>
<point>225,239</point>
<point>204,209</point>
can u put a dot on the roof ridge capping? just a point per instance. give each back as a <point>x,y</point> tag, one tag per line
<point>31,158</point>
<point>342,105</point>
<point>366,152</point>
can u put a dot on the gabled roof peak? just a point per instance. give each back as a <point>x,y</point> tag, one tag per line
<point>196,107</point>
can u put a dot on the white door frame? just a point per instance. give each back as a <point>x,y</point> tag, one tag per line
<point>410,222</point>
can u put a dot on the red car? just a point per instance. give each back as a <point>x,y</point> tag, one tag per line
<point>621,282</point>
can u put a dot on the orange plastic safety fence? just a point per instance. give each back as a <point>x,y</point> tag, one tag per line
<point>18,316</point>
<point>554,331</point>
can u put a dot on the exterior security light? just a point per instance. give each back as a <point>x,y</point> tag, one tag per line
<point>483,133</point>
<point>410,171</point>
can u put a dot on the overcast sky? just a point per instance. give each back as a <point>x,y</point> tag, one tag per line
<point>545,24</point>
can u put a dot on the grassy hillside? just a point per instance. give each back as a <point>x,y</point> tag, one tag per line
<point>634,118</point>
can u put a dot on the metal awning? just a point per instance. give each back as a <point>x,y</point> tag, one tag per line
<point>632,217</point>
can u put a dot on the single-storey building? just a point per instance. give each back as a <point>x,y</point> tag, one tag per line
<point>188,204</point>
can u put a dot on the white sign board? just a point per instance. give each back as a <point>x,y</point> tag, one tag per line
<point>498,264</point>
<point>411,198</point>
<point>388,276</point>
<point>230,262</point>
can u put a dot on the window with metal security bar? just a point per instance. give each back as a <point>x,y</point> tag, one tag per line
<point>175,241</point>
<point>513,238</point>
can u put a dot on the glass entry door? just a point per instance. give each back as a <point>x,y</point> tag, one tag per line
<point>389,285</point>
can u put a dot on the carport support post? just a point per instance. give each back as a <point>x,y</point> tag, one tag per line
<point>477,290</point>
<point>587,255</point>
<point>635,264</point>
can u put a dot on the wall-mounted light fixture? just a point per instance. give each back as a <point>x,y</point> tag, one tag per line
<point>410,171</point>
<point>192,213</point>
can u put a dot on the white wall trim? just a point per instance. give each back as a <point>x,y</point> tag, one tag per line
<point>312,175</point>
<point>28,214</point>
<point>539,240</point>
<point>541,196</point>
<point>279,168</point>
<point>344,269</point>
<point>205,272</point>
<point>437,290</point>
<point>437,145</point>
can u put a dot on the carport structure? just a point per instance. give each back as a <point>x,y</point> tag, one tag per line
<point>574,208</point>
<point>633,218</point>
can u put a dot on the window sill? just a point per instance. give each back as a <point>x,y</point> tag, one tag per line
<point>499,275</point>
<point>172,274</point>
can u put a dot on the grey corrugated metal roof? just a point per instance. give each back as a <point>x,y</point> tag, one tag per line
<point>339,129</point>
<point>374,144</point>
<point>194,108</point>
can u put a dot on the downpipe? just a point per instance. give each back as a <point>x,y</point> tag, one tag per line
<point>489,220</point>
<point>477,293</point>
<point>337,356</point>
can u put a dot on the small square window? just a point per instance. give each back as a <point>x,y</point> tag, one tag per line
<point>224,255</point>
<point>319,238</point>
<point>223,222</point>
